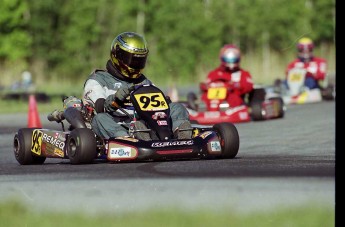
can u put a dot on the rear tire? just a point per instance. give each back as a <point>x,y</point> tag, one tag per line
<point>229,139</point>
<point>22,148</point>
<point>81,146</point>
<point>281,107</point>
<point>256,111</point>
<point>328,93</point>
<point>256,95</point>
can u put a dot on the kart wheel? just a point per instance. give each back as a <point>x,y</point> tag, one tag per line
<point>256,111</point>
<point>81,146</point>
<point>256,95</point>
<point>281,106</point>
<point>328,93</point>
<point>191,98</point>
<point>229,139</point>
<point>22,148</point>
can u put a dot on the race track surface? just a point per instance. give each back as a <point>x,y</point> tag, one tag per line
<point>282,162</point>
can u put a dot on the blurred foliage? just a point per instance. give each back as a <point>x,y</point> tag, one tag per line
<point>67,39</point>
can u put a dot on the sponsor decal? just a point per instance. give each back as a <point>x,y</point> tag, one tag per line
<point>212,114</point>
<point>215,146</point>
<point>59,136</point>
<point>58,152</point>
<point>174,143</point>
<point>56,142</point>
<point>162,122</point>
<point>236,109</point>
<point>205,134</point>
<point>159,115</point>
<point>120,152</point>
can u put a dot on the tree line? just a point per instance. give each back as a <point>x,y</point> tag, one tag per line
<point>70,38</point>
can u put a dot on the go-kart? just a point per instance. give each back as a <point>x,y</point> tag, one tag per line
<point>295,92</point>
<point>257,106</point>
<point>81,145</point>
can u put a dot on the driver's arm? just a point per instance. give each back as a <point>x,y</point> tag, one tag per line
<point>94,95</point>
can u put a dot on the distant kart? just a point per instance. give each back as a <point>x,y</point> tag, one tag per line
<point>258,106</point>
<point>81,145</point>
<point>297,93</point>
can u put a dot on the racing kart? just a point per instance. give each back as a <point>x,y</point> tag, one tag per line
<point>258,106</point>
<point>295,92</point>
<point>81,145</point>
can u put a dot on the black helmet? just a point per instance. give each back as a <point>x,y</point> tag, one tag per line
<point>128,53</point>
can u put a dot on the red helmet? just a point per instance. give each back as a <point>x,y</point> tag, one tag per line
<point>230,56</point>
<point>305,48</point>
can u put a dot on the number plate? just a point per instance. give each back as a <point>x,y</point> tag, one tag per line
<point>216,93</point>
<point>151,102</point>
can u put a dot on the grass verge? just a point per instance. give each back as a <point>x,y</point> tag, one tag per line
<point>15,214</point>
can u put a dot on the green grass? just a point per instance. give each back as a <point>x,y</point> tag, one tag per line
<point>22,106</point>
<point>15,214</point>
<point>51,89</point>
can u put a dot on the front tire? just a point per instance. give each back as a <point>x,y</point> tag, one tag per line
<point>81,146</point>
<point>229,139</point>
<point>328,93</point>
<point>22,148</point>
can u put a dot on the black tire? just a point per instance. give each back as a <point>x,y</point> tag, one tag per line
<point>191,98</point>
<point>281,104</point>
<point>229,139</point>
<point>256,111</point>
<point>328,93</point>
<point>22,148</point>
<point>81,146</point>
<point>256,95</point>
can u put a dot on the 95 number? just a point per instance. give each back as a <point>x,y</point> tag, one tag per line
<point>151,102</point>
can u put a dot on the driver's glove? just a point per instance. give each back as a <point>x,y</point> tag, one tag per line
<point>118,98</point>
<point>56,115</point>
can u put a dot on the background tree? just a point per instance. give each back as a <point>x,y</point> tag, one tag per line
<point>63,41</point>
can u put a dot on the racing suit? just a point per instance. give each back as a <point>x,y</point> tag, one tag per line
<point>99,92</point>
<point>240,83</point>
<point>316,71</point>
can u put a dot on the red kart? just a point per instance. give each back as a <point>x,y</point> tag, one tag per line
<point>258,106</point>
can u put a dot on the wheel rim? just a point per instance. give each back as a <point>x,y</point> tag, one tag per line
<point>72,148</point>
<point>16,147</point>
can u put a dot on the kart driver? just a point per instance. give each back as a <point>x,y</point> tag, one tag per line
<point>105,90</point>
<point>315,66</point>
<point>229,70</point>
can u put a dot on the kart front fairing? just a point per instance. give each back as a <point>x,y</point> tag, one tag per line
<point>297,92</point>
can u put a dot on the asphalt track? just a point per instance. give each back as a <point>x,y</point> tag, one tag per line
<point>281,163</point>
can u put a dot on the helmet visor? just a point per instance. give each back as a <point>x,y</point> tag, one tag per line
<point>132,60</point>
<point>305,47</point>
<point>230,59</point>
